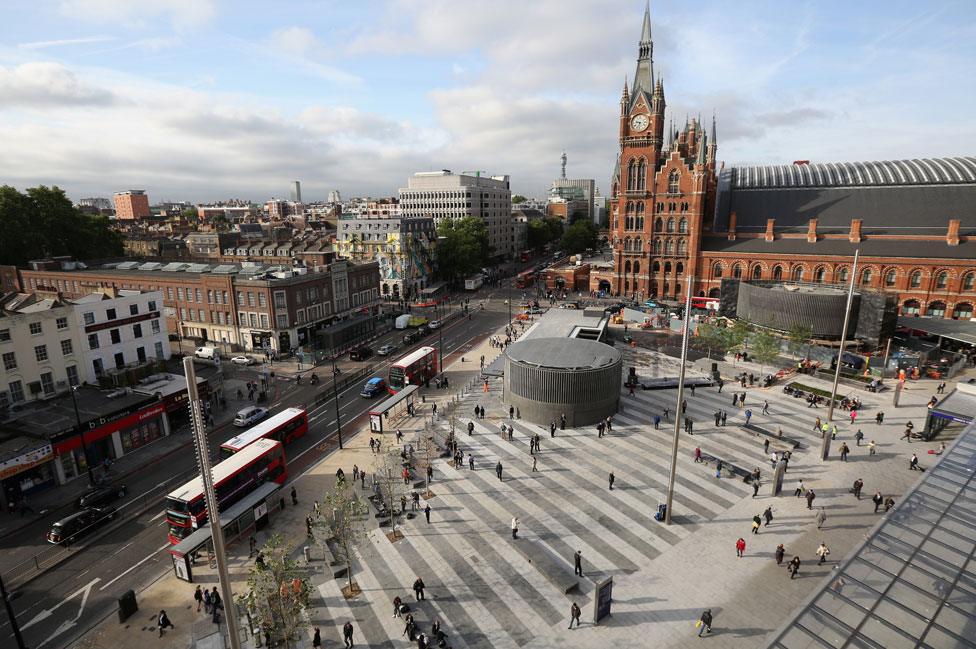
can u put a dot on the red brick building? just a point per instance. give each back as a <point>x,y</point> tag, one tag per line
<point>131,204</point>
<point>676,217</point>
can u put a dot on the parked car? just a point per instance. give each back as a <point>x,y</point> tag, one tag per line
<point>374,387</point>
<point>614,308</point>
<point>386,350</point>
<point>243,360</point>
<point>534,310</point>
<point>250,416</point>
<point>209,353</point>
<point>101,496</point>
<point>360,354</point>
<point>410,337</point>
<point>434,324</point>
<point>71,528</point>
<point>423,330</point>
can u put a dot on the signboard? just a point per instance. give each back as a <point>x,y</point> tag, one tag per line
<point>603,599</point>
<point>21,463</point>
<point>261,510</point>
<point>376,423</point>
<point>181,566</point>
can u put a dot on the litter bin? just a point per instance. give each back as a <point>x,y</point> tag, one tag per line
<point>127,605</point>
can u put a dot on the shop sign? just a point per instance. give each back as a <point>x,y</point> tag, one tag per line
<point>26,461</point>
<point>105,426</point>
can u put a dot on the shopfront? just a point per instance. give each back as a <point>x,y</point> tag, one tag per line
<point>26,468</point>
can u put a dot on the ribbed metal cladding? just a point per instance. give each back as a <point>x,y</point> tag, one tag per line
<point>551,385</point>
<point>779,309</point>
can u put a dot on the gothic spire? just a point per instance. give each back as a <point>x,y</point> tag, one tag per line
<point>644,75</point>
<point>711,136</point>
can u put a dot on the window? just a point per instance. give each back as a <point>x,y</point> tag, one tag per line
<point>4,335</point>
<point>182,313</point>
<point>262,300</point>
<point>16,391</point>
<point>203,318</point>
<point>89,318</point>
<point>154,325</point>
<point>169,293</point>
<point>842,275</point>
<point>250,298</point>
<point>264,320</point>
<point>47,383</point>
<point>890,277</point>
<point>819,274</point>
<point>682,247</point>
<point>119,360</point>
<point>210,296</point>
<point>115,336</point>
<point>35,329</point>
<point>137,330</point>
<point>97,367</point>
<point>92,341</point>
<point>280,301</point>
<point>281,321</point>
<point>199,295</point>
<point>673,182</point>
<point>159,350</point>
<point>757,272</point>
<point>133,309</point>
<point>866,276</point>
<point>968,281</point>
<point>671,225</point>
<point>717,270</point>
<point>942,280</point>
<point>683,226</point>
<point>72,372</point>
<point>737,271</point>
<point>141,354</point>
<point>936,309</point>
<point>110,314</point>
<point>62,323</point>
<point>179,293</point>
<point>798,274</point>
<point>66,348</point>
<point>10,361</point>
<point>40,353</point>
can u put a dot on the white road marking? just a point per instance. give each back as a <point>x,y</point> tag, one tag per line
<point>46,613</point>
<point>122,548</point>
<point>158,516</point>
<point>133,567</point>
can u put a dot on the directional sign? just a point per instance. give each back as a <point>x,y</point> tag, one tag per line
<point>67,624</point>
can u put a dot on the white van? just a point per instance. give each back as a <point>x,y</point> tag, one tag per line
<point>209,353</point>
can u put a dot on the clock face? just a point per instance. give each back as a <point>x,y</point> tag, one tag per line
<point>639,122</point>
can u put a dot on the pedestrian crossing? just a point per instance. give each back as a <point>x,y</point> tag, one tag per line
<point>484,592</point>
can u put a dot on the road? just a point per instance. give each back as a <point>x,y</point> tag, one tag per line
<point>62,603</point>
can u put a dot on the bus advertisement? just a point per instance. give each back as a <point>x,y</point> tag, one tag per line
<point>432,295</point>
<point>416,368</point>
<point>285,427</point>
<point>234,478</point>
<point>525,279</point>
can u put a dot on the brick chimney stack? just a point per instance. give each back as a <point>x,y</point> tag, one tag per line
<point>952,237</point>
<point>855,230</point>
<point>732,221</point>
<point>812,231</point>
<point>769,229</point>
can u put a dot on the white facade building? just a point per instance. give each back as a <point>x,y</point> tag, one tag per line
<point>446,195</point>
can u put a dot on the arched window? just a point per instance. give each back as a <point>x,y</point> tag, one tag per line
<point>671,225</point>
<point>627,244</point>
<point>936,309</point>
<point>631,175</point>
<point>963,311</point>
<point>641,175</point>
<point>968,281</point>
<point>819,274</point>
<point>626,285</point>
<point>656,267</point>
<point>627,267</point>
<point>667,268</point>
<point>673,180</point>
<point>942,280</point>
<point>665,288</point>
<point>778,273</point>
<point>890,277</point>
<point>677,289</point>
<point>683,225</point>
<point>640,216</point>
<point>717,270</point>
<point>842,274</point>
<point>679,269</point>
<point>798,274</point>
<point>636,267</point>
<point>682,247</point>
<point>737,271</point>
<point>657,246</point>
<point>669,247</point>
<point>916,279</point>
<point>911,307</point>
<point>866,276</point>
<point>638,245</point>
<point>757,272</point>
<point>658,224</point>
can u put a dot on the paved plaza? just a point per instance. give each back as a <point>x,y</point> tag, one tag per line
<point>485,587</point>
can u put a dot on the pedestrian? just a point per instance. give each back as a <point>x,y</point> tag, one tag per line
<point>362,479</point>
<point>215,605</point>
<point>163,623</point>
<point>856,489</point>
<point>705,622</point>
<point>780,551</point>
<point>347,634</point>
<point>294,496</point>
<point>913,463</point>
<point>724,416</point>
<point>822,552</point>
<point>756,523</point>
<point>498,470</point>
<point>810,496</point>
<point>511,412</point>
<point>198,596</point>
<point>872,447</point>
<point>317,639</point>
<point>817,425</point>
<point>844,451</point>
<point>768,515</point>
<point>698,457</point>
<point>315,506</point>
<point>740,547</point>
<point>578,563</point>
<point>799,489</point>
<point>611,480</point>
<point>821,518</point>
<point>397,603</point>
<point>599,429</point>
<point>748,416</point>
<point>794,566</point>
<point>858,436</point>
<point>735,399</point>
<point>718,468</point>
<point>765,409</point>
<point>418,589</point>
<point>355,474</point>
<point>665,414</point>
<point>692,389</point>
<point>657,422</point>
<point>718,418</point>
<point>308,525</point>
<point>853,416</point>
<point>515,527</point>
<point>427,512</point>
<point>471,463</point>
<point>574,615</point>
<point>372,445</point>
<point>755,488</point>
<point>889,503</point>
<point>684,406</point>
<point>552,429</point>
<point>562,422</point>
<point>206,601</point>
<point>766,447</point>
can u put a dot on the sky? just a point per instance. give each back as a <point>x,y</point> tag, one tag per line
<point>204,100</point>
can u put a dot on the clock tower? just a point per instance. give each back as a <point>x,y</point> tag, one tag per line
<point>659,192</point>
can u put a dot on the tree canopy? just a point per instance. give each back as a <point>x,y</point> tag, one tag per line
<point>543,231</point>
<point>765,349</point>
<point>462,248</point>
<point>42,222</point>
<point>518,198</point>
<point>578,237</point>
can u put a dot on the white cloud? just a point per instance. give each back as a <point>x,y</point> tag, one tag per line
<point>46,85</point>
<point>183,14</point>
<point>64,42</point>
<point>299,46</point>
<point>298,41</point>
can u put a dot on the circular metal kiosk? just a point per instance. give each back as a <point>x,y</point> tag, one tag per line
<point>546,378</point>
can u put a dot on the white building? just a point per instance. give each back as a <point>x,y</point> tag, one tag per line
<point>599,209</point>
<point>446,195</point>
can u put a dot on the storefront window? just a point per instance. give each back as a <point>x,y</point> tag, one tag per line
<point>140,435</point>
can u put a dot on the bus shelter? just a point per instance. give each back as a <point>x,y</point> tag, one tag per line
<point>238,519</point>
<point>393,406</point>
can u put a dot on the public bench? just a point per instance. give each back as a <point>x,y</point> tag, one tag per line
<point>672,383</point>
<point>771,436</point>
<point>553,568</point>
<point>729,467</point>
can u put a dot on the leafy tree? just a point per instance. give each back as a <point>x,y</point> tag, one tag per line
<point>799,338</point>
<point>462,248</point>
<point>518,198</point>
<point>765,349</point>
<point>388,470</point>
<point>191,214</point>
<point>43,222</point>
<point>280,591</point>
<point>578,237</point>
<point>713,338</point>
<point>342,514</point>
<point>739,336</point>
<point>555,227</point>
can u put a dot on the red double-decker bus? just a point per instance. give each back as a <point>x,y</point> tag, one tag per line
<point>525,280</point>
<point>285,427</point>
<point>234,478</point>
<point>416,368</point>
<point>710,303</point>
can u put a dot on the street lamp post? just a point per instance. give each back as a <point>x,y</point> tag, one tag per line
<point>10,614</point>
<point>678,415</point>
<point>335,392</point>
<point>81,436</point>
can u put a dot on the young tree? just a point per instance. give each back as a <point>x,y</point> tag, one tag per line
<point>388,471</point>
<point>713,338</point>
<point>281,591</point>
<point>739,336</point>
<point>765,349</point>
<point>342,515</point>
<point>799,337</point>
<point>427,452</point>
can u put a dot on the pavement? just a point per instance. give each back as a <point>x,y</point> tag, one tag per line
<point>488,593</point>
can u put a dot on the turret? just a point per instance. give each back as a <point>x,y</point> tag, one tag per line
<point>712,143</point>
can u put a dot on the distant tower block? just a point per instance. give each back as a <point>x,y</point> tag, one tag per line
<point>296,192</point>
<point>563,173</point>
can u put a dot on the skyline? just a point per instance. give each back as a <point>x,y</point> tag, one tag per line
<point>205,100</point>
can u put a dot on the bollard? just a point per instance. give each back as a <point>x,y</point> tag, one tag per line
<point>308,553</point>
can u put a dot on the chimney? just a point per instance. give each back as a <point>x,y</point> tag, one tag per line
<point>952,238</point>
<point>732,220</point>
<point>812,231</point>
<point>769,229</point>
<point>855,230</point>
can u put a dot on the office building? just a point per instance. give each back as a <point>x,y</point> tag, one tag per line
<point>131,204</point>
